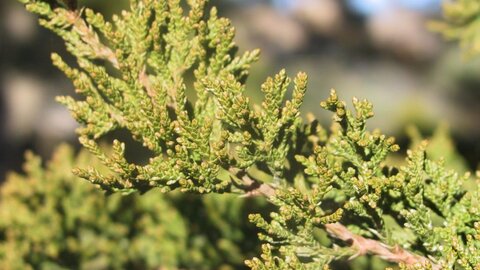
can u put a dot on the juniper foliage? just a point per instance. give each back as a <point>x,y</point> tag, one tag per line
<point>460,24</point>
<point>167,72</point>
<point>50,219</point>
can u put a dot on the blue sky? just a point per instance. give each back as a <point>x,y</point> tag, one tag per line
<point>364,7</point>
<point>371,7</point>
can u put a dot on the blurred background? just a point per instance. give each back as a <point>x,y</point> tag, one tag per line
<point>380,50</point>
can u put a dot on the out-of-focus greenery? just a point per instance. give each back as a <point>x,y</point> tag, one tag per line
<point>49,219</point>
<point>440,147</point>
<point>461,23</point>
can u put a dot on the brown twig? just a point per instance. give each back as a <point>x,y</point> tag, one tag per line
<point>91,38</point>
<point>250,186</point>
<point>147,84</point>
<point>369,246</point>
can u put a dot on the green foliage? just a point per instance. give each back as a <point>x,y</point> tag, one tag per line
<point>440,147</point>
<point>149,50</point>
<point>220,236</point>
<point>420,206</point>
<point>49,219</point>
<point>170,77</point>
<point>461,23</point>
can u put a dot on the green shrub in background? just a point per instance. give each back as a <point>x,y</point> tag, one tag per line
<point>49,219</point>
<point>167,72</point>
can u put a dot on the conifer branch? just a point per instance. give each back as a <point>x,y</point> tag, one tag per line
<point>50,219</point>
<point>90,38</point>
<point>361,244</point>
<point>339,181</point>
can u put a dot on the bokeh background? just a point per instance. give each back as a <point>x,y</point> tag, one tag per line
<point>381,50</point>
